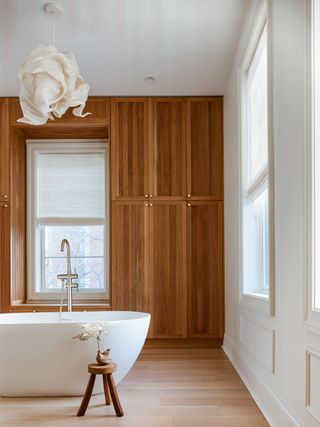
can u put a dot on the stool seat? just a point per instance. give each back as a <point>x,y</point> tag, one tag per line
<point>96,369</point>
<point>110,391</point>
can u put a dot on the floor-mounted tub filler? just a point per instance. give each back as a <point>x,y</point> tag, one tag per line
<point>38,356</point>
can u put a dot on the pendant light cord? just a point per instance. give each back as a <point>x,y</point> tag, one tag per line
<point>54,29</point>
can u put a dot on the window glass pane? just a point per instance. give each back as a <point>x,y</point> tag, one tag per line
<point>256,244</point>
<point>87,255</point>
<point>257,111</point>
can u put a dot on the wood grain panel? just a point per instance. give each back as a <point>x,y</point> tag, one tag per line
<point>99,107</point>
<point>4,149</point>
<point>4,255</point>
<point>205,270</point>
<point>18,217</point>
<point>168,148</point>
<point>205,148</point>
<point>129,257</point>
<point>129,148</point>
<point>95,125</point>
<point>168,270</point>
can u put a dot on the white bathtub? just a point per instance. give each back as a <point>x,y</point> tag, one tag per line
<point>38,356</point>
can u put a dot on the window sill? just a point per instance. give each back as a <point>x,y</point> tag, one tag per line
<point>256,301</point>
<point>260,295</point>
<point>52,306</point>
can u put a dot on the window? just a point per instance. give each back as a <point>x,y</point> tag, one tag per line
<point>67,200</point>
<point>255,170</point>
<point>314,303</point>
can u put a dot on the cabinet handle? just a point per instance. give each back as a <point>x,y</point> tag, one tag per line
<point>150,204</point>
<point>146,204</point>
<point>146,196</point>
<point>5,196</point>
<point>188,195</point>
<point>5,205</point>
<point>189,204</point>
<point>150,195</point>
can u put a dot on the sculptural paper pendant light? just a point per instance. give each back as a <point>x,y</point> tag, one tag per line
<point>50,82</point>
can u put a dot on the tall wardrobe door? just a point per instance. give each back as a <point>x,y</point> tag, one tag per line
<point>4,256</point>
<point>129,148</point>
<point>168,148</point>
<point>205,148</point>
<point>4,149</point>
<point>168,270</point>
<point>205,270</point>
<point>129,229</point>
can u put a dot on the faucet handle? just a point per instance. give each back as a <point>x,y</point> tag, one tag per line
<point>75,273</point>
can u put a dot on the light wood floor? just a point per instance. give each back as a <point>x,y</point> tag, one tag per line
<point>166,388</point>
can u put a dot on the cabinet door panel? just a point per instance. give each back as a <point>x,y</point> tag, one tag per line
<point>168,153</point>
<point>205,270</point>
<point>129,148</point>
<point>4,256</point>
<point>129,257</point>
<point>168,270</point>
<point>205,148</point>
<point>4,149</point>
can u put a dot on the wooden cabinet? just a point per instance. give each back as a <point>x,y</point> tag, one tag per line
<point>205,269</point>
<point>129,148</point>
<point>4,256</point>
<point>130,240</point>
<point>167,213</point>
<point>4,149</point>
<point>168,286</point>
<point>168,148</point>
<point>205,148</point>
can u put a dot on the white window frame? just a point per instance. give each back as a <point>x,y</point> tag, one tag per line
<point>34,273</point>
<point>260,301</point>
<point>312,315</point>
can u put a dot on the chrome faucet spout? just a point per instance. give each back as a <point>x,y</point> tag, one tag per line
<point>65,243</point>
<point>68,277</point>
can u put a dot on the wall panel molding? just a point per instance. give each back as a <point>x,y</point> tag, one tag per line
<point>276,410</point>
<point>313,382</point>
<point>258,339</point>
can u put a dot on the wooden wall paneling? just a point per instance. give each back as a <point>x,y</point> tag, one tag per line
<point>168,280</point>
<point>168,148</point>
<point>95,125</point>
<point>18,217</point>
<point>205,148</point>
<point>129,148</point>
<point>4,256</point>
<point>205,270</point>
<point>4,149</point>
<point>130,241</point>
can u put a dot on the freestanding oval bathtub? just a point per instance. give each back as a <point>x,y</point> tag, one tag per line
<point>38,356</point>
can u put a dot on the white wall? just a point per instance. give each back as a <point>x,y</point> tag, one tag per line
<point>269,352</point>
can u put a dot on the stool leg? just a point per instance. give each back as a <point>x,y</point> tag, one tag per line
<point>86,397</point>
<point>106,389</point>
<point>114,396</point>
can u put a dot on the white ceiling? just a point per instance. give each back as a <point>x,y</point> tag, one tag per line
<point>188,45</point>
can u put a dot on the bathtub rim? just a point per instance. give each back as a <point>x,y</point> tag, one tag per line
<point>73,318</point>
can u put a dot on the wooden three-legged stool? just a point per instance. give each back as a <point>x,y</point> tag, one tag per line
<point>110,390</point>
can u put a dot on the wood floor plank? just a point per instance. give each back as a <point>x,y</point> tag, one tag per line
<point>168,387</point>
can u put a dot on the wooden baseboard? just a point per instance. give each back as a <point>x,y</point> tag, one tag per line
<point>183,343</point>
